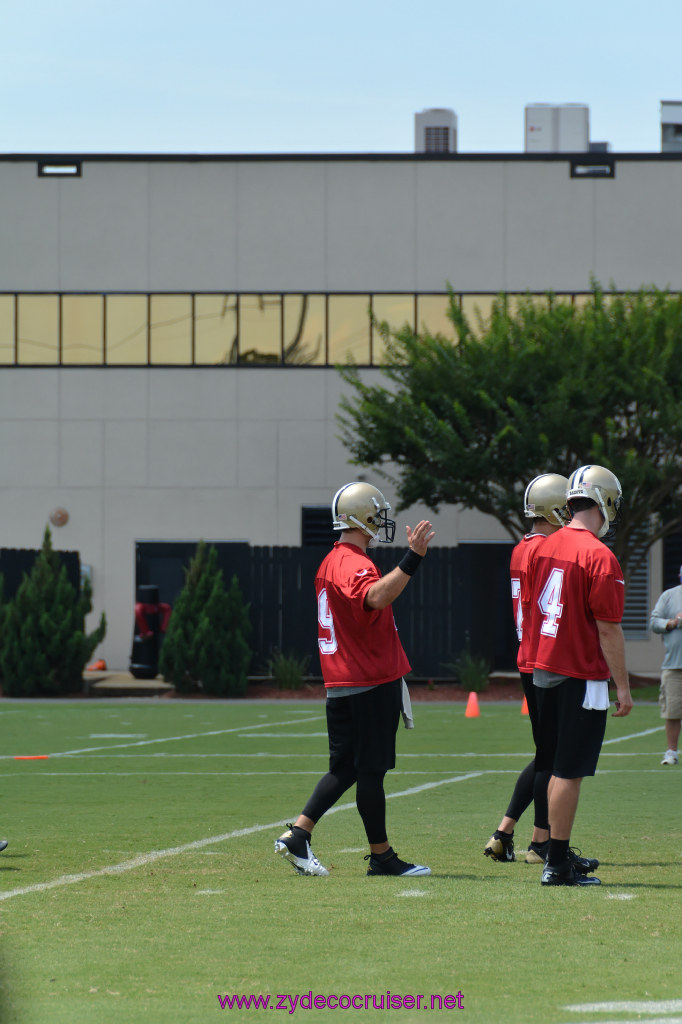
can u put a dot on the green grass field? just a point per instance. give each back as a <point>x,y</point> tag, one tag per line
<point>140,883</point>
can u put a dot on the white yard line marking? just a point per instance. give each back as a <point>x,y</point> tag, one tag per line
<point>633,735</point>
<point>153,773</point>
<point>118,735</point>
<point>187,736</point>
<point>642,1006</point>
<point>282,735</point>
<point>159,774</point>
<point>143,859</point>
<point>262,753</point>
<point>314,754</point>
<point>636,1020</point>
<point>639,753</point>
<point>226,774</point>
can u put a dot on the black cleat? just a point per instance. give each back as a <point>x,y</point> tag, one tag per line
<point>582,864</point>
<point>393,865</point>
<point>566,874</point>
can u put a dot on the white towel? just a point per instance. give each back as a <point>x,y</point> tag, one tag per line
<point>407,708</point>
<point>596,695</point>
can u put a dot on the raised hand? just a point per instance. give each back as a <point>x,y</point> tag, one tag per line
<point>419,538</point>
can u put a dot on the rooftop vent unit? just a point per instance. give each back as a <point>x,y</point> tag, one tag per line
<point>435,131</point>
<point>563,128</point>
<point>671,126</point>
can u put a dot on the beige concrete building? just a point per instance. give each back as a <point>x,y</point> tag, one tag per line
<point>169,325</point>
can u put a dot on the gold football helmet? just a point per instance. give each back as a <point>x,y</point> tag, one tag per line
<point>545,498</point>
<point>601,486</point>
<point>360,506</point>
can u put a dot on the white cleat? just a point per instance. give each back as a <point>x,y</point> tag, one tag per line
<point>297,851</point>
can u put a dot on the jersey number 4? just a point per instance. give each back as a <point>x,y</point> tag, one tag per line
<point>550,604</point>
<point>327,644</point>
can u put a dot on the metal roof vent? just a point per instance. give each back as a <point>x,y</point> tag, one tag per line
<point>435,131</point>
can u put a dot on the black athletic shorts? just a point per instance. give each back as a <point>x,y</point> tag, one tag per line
<point>570,737</point>
<point>362,728</point>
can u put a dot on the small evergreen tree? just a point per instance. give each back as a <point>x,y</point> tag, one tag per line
<point>43,644</point>
<point>206,646</point>
<point>239,631</point>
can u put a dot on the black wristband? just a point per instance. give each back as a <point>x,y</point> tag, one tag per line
<point>410,562</point>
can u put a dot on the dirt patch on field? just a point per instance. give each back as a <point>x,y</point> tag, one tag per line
<point>506,688</point>
<point>419,692</point>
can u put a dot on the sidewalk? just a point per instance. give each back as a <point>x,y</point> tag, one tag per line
<point>123,684</point>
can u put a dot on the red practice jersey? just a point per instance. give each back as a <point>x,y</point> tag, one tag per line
<point>574,580</point>
<point>519,586</point>
<point>359,646</point>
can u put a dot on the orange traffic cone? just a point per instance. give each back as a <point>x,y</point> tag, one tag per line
<point>472,706</point>
<point>524,707</point>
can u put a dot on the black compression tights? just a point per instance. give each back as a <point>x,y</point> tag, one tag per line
<point>369,797</point>
<point>530,786</point>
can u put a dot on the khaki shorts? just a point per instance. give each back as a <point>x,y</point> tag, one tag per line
<point>670,697</point>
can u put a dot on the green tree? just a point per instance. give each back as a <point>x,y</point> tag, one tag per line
<point>542,386</point>
<point>43,644</point>
<point>206,645</point>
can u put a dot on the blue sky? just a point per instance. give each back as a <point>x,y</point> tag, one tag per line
<point>263,77</point>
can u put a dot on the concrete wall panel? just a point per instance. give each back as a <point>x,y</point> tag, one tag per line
<point>104,229</point>
<point>30,233</point>
<point>282,226</point>
<point>193,227</point>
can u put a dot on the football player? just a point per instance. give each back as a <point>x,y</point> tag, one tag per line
<point>576,646</point>
<point>544,502</point>
<point>363,664</point>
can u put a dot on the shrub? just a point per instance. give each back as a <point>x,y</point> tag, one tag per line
<point>206,645</point>
<point>472,671</point>
<point>288,670</point>
<point>43,644</point>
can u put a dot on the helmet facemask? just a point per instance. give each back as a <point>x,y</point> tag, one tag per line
<point>612,512</point>
<point>382,523</point>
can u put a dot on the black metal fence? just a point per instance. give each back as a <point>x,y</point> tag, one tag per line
<point>459,595</point>
<point>15,563</point>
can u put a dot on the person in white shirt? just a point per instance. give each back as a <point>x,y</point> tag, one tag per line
<point>666,618</point>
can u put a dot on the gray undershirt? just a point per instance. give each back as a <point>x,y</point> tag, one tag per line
<point>346,691</point>
<point>546,680</point>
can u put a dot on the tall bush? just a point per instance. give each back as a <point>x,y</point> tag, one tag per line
<point>43,644</point>
<point>206,647</point>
